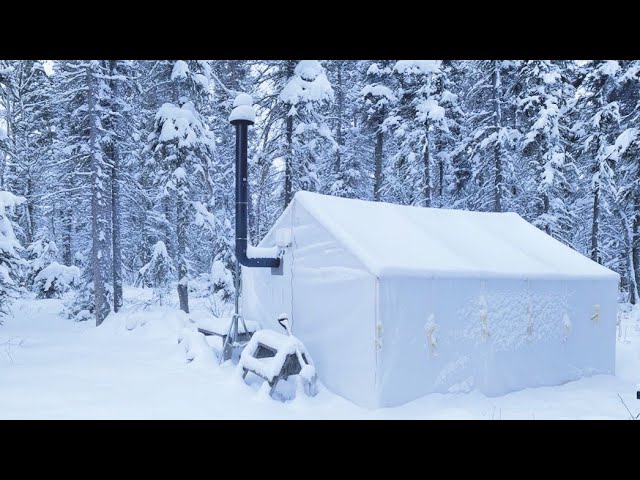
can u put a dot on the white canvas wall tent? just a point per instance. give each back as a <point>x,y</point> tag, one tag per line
<point>395,302</point>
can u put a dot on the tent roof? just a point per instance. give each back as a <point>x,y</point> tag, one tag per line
<point>394,239</point>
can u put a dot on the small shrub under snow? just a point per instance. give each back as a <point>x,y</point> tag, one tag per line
<point>55,279</point>
<point>159,272</point>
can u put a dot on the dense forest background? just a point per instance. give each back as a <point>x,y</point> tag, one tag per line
<point>116,171</point>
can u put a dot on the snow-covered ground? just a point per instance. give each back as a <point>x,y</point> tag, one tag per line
<point>133,367</point>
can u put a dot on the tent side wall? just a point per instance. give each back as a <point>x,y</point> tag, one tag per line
<point>330,298</point>
<point>451,335</point>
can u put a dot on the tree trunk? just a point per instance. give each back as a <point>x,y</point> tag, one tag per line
<point>116,234</point>
<point>52,219</point>
<point>426,174</point>
<point>440,180</point>
<point>635,239</point>
<point>144,251</point>
<point>8,121</point>
<point>545,195</point>
<point>288,184</point>
<point>545,211</point>
<point>594,225</point>
<point>340,103</point>
<point>377,178</point>
<point>147,239</point>
<point>166,226</point>
<point>497,117</point>
<point>182,221</point>
<point>67,230</point>
<point>288,181</point>
<point>29,233</point>
<point>98,208</point>
<point>628,244</point>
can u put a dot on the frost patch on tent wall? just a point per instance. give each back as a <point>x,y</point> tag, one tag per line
<point>452,370</point>
<point>430,328</point>
<point>595,316</point>
<point>529,321</point>
<point>379,332</point>
<point>463,387</point>
<point>484,317</point>
<point>508,320</point>
<point>566,323</point>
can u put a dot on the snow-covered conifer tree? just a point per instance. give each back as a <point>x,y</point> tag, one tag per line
<point>10,260</point>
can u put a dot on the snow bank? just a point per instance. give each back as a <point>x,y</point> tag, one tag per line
<point>161,323</point>
<point>196,347</point>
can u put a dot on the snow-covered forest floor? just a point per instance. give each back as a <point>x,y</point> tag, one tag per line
<point>132,366</point>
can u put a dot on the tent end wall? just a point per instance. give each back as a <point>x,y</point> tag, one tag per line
<point>330,298</point>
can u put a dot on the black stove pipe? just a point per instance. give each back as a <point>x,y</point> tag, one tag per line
<point>242,200</point>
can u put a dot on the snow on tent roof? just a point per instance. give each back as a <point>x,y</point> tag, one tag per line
<point>404,240</point>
